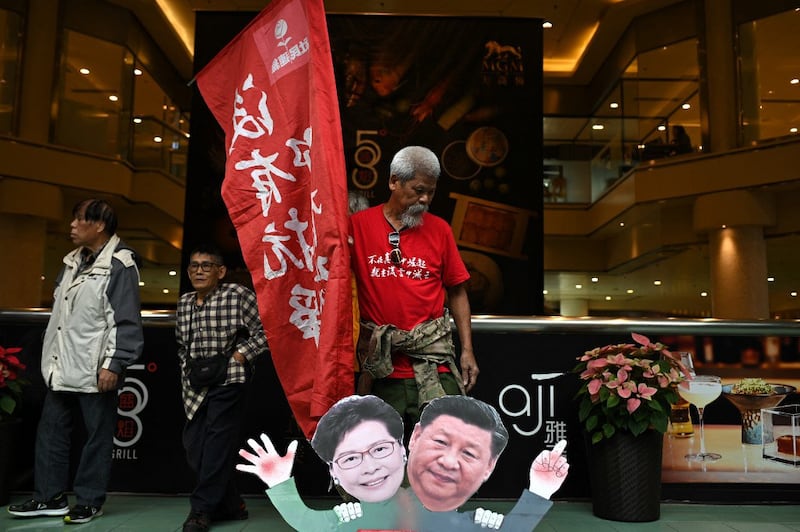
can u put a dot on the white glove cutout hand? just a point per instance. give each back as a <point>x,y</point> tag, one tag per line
<point>488,519</point>
<point>348,511</point>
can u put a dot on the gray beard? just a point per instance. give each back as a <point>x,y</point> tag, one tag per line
<point>412,217</point>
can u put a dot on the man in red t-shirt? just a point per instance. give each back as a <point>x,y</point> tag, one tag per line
<point>405,260</point>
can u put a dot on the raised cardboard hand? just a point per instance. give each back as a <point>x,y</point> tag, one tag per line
<point>548,471</point>
<point>267,464</point>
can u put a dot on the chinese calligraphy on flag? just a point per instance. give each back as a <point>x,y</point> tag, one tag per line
<point>272,90</point>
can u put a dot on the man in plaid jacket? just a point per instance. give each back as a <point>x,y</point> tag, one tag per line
<point>217,318</point>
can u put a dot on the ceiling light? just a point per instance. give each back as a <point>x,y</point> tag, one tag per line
<point>608,298</point>
<point>547,24</point>
<point>113,97</point>
<point>157,139</point>
<point>613,105</point>
<point>137,120</point>
<point>793,130</point>
<point>622,224</point>
<point>545,292</point>
<point>598,126</point>
<point>141,283</point>
<point>137,71</point>
<point>703,294</point>
<point>770,279</point>
<point>657,282</point>
<point>42,277</point>
<point>724,226</point>
<point>662,127</point>
<point>595,279</point>
<point>578,286</point>
<point>85,71</point>
<point>793,294</point>
<point>629,290</point>
<point>795,81</point>
<point>173,273</point>
<point>686,106</point>
<point>165,291</point>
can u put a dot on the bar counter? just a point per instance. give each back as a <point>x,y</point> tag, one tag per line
<point>740,462</point>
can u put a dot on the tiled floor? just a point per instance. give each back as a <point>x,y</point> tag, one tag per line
<point>131,513</point>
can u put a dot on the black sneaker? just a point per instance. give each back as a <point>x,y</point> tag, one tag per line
<point>197,522</point>
<point>56,506</point>
<point>82,514</point>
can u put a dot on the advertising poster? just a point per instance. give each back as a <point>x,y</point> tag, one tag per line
<point>468,89</point>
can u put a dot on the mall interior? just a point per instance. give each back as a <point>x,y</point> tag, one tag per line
<point>670,183</point>
<point>94,100</point>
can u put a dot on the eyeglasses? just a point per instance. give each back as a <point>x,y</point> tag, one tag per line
<point>396,256</point>
<point>205,266</point>
<point>379,451</point>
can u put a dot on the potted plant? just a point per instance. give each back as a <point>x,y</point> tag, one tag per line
<point>11,383</point>
<point>623,405</point>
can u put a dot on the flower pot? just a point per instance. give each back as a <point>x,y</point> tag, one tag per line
<point>625,476</point>
<point>8,436</point>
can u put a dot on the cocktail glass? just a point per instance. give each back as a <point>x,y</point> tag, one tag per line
<point>700,391</point>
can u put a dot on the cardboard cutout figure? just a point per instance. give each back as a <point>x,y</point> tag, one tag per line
<point>360,438</point>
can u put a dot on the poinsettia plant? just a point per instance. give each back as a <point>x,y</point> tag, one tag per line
<point>11,381</point>
<point>628,387</point>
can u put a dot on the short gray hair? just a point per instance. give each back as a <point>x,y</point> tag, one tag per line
<point>356,202</point>
<point>413,160</point>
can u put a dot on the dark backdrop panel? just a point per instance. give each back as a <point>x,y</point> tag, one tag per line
<point>525,375</point>
<point>206,218</point>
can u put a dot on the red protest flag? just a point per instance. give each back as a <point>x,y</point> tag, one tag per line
<point>272,90</point>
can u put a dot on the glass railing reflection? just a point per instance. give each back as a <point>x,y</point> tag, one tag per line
<point>158,145</point>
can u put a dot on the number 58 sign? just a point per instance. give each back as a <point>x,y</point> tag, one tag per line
<point>367,155</point>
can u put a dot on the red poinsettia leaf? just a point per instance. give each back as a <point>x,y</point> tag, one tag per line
<point>641,339</point>
<point>14,362</point>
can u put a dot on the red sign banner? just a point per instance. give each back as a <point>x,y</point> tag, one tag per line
<point>272,90</point>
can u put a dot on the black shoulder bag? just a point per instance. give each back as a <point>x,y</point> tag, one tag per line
<point>204,372</point>
<point>208,371</point>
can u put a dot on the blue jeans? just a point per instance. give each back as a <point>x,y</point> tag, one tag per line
<point>53,438</point>
<point>212,439</point>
